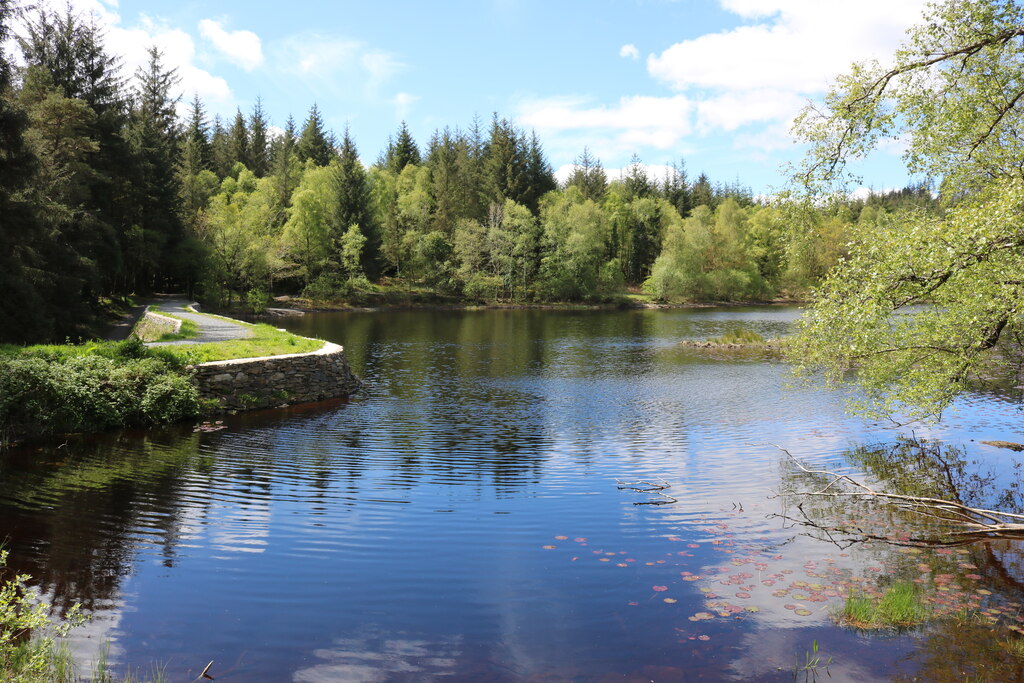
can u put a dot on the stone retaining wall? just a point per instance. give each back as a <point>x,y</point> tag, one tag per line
<point>250,383</point>
<point>152,326</point>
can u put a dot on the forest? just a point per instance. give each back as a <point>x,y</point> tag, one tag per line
<point>107,191</point>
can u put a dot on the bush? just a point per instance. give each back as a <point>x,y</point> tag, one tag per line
<point>52,390</point>
<point>28,650</point>
<point>326,287</point>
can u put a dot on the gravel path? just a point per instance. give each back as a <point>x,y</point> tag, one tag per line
<point>210,329</point>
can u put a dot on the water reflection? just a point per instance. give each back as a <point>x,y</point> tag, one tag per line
<point>461,517</point>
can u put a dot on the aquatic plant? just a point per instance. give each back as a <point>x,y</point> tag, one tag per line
<point>812,664</point>
<point>900,607</point>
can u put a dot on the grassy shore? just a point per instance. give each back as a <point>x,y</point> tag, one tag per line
<point>266,340</point>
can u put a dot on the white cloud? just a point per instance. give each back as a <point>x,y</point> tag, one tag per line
<point>131,43</point>
<point>334,65</point>
<point>655,172</point>
<point>241,47</point>
<point>658,122</point>
<point>799,47</point>
<point>749,81</point>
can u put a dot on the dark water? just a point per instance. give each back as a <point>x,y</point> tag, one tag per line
<point>461,518</point>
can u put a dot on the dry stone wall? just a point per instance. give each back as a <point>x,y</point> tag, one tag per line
<point>250,383</point>
<point>152,326</point>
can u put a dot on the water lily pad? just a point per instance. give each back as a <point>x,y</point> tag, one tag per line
<point>803,612</point>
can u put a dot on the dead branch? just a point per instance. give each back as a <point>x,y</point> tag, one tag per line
<point>648,487</point>
<point>968,523</point>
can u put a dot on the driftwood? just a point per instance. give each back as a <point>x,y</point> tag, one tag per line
<point>965,523</point>
<point>648,487</point>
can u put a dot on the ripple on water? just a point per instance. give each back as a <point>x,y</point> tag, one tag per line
<point>463,515</point>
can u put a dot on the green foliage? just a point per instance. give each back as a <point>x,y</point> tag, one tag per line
<point>811,665</point>
<point>919,311</point>
<point>577,235</point>
<point>921,303</point>
<point>28,638</point>
<point>59,389</point>
<point>710,256</point>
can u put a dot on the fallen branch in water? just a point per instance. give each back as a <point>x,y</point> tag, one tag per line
<point>648,487</point>
<point>967,523</point>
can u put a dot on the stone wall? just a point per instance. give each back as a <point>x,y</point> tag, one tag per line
<point>250,383</point>
<point>152,326</point>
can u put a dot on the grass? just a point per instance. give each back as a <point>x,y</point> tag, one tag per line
<point>266,340</point>
<point>739,337</point>
<point>900,607</point>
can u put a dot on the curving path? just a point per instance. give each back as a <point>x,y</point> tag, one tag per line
<point>211,329</point>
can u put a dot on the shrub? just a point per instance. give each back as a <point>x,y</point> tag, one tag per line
<point>50,390</point>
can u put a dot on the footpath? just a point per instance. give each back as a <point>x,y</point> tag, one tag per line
<point>210,328</point>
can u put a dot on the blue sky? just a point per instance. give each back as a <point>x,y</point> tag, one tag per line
<point>714,82</point>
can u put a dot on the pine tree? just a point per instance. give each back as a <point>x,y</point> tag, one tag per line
<point>636,182</point>
<point>94,226</point>
<point>703,193</point>
<point>220,149</point>
<point>401,151</point>
<point>589,176</point>
<point>505,163</point>
<point>676,190</point>
<point>238,141</point>
<point>26,315</point>
<point>196,139</point>
<point>353,207</point>
<point>314,143</point>
<point>287,169</point>
<point>153,133</point>
<point>540,178</point>
<point>259,153</point>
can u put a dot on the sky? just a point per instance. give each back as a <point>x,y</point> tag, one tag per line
<point>714,83</point>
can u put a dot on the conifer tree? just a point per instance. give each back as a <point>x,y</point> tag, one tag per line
<point>314,143</point>
<point>154,135</point>
<point>505,163</point>
<point>353,206</point>
<point>220,149</point>
<point>636,182</point>
<point>676,190</point>
<point>589,176</point>
<point>401,151</point>
<point>195,142</point>
<point>238,141</point>
<point>287,169</point>
<point>259,153</point>
<point>25,313</point>
<point>540,178</point>
<point>94,225</point>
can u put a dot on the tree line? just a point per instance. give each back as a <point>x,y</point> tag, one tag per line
<point>105,191</point>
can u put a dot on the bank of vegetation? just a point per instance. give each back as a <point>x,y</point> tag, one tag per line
<point>59,389</point>
<point>104,191</point>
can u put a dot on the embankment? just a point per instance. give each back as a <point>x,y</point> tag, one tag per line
<point>251,383</point>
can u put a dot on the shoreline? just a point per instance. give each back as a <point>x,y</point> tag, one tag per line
<point>285,307</point>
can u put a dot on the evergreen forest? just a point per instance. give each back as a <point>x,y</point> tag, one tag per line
<point>110,187</point>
